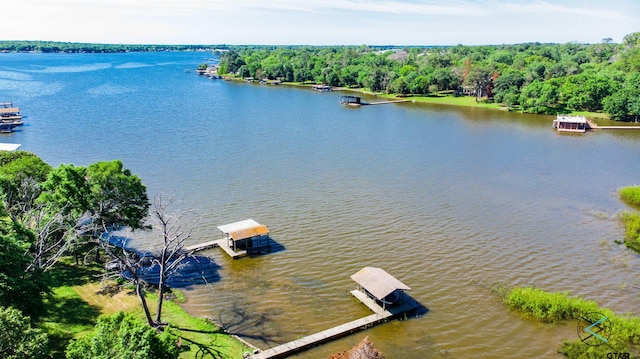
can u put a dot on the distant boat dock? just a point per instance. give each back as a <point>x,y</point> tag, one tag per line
<point>356,101</point>
<point>378,290</point>
<point>580,124</point>
<point>10,117</point>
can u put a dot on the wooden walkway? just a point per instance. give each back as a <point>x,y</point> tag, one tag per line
<point>617,128</point>
<point>220,243</point>
<point>302,344</point>
<point>594,126</point>
<point>386,102</point>
<point>284,350</point>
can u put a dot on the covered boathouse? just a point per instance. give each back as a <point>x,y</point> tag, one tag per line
<point>246,237</point>
<point>564,123</point>
<point>380,286</point>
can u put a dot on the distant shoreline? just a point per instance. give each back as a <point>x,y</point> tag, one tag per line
<point>447,100</point>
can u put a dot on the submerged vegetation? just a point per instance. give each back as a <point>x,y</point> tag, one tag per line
<point>532,77</point>
<point>631,195</point>
<point>631,222</point>
<point>622,336</point>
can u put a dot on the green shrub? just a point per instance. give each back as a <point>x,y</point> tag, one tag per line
<point>123,336</point>
<point>631,195</point>
<point>548,307</point>
<point>631,222</point>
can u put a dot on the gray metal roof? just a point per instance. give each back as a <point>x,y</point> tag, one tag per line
<point>378,282</point>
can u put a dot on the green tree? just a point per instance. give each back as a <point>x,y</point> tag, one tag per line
<point>624,104</point>
<point>18,340</point>
<point>444,79</point>
<point>540,96</point>
<point>420,85</point>
<point>123,336</point>
<point>66,188</point>
<point>117,197</point>
<point>100,198</point>
<point>230,62</point>
<point>399,86</point>
<point>21,285</point>
<point>479,78</point>
<point>21,174</point>
<point>507,87</point>
<point>586,91</point>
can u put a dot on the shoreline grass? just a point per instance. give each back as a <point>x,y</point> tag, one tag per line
<point>79,297</point>
<point>622,336</point>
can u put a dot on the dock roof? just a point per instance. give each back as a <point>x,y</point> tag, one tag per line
<point>244,229</point>
<point>572,119</point>
<point>9,146</point>
<point>378,282</point>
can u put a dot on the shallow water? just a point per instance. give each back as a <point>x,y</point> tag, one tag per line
<point>451,201</point>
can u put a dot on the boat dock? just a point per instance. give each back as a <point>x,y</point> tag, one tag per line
<point>356,101</point>
<point>566,123</point>
<point>239,239</point>
<point>375,286</point>
<point>10,117</point>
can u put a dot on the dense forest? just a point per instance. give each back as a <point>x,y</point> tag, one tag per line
<point>530,77</point>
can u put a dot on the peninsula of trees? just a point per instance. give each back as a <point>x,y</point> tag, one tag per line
<point>531,77</point>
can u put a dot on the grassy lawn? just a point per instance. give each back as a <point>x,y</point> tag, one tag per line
<point>79,297</point>
<point>468,101</point>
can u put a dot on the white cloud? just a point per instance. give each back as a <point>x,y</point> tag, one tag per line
<point>319,21</point>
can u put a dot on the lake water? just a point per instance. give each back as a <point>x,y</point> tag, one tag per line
<point>449,200</point>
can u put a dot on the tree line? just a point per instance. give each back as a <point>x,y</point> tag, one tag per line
<point>69,211</point>
<point>79,47</point>
<point>530,77</point>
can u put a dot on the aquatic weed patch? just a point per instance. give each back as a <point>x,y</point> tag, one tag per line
<point>623,331</point>
<point>631,222</point>
<point>631,195</point>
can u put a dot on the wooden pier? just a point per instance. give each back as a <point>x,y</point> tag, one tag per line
<point>371,280</point>
<point>387,102</point>
<point>284,350</point>
<point>594,126</point>
<point>616,128</point>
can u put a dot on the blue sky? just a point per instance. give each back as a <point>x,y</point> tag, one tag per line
<point>319,22</point>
